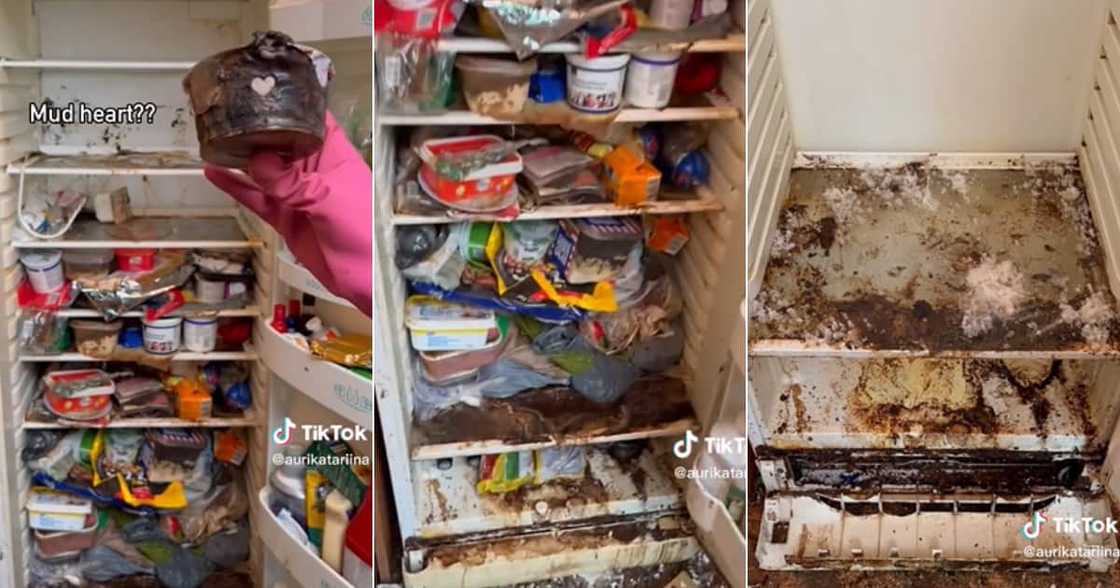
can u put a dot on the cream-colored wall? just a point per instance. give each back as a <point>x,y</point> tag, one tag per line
<point>944,75</point>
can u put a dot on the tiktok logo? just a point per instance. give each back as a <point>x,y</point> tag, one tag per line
<point>683,448</point>
<point>283,434</point>
<point>1033,528</point>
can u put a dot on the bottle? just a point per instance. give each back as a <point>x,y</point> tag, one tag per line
<point>278,322</point>
<point>293,320</point>
<point>334,529</point>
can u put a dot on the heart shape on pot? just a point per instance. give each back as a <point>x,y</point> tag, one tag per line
<point>263,86</point>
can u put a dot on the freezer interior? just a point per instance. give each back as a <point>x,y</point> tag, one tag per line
<point>932,283</point>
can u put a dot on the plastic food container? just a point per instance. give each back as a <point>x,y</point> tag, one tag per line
<point>181,445</point>
<point>495,87</point>
<point>84,408</point>
<point>48,510</point>
<point>482,187</point>
<point>270,95</point>
<point>87,263</point>
<point>59,544</point>
<point>96,338</point>
<point>162,336</point>
<point>649,80</point>
<point>44,269</point>
<point>526,242</point>
<point>200,335</point>
<point>595,85</point>
<point>78,383</point>
<point>135,260</point>
<point>435,325</point>
<point>448,365</point>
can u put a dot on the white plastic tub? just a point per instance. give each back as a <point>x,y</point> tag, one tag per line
<point>200,335</point>
<point>595,85</point>
<point>44,269</point>
<point>649,80</point>
<point>162,336</point>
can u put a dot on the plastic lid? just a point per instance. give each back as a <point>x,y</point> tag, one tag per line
<point>40,259</point>
<point>425,312</point>
<point>94,325</point>
<point>497,66</point>
<point>606,62</point>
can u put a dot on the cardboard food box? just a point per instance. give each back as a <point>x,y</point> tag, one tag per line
<point>631,180</point>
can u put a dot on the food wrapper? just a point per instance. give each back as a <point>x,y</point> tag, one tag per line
<point>43,332</point>
<point>347,350</point>
<point>351,480</point>
<point>559,463</point>
<point>506,472</point>
<point>120,292</point>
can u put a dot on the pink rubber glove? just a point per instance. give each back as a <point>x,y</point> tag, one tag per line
<point>323,207</point>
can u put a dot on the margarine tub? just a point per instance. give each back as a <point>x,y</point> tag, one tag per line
<point>435,325</point>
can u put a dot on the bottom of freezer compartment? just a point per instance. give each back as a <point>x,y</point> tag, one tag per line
<point>1019,405</point>
<point>958,532</point>
<point>588,550</point>
<point>449,503</point>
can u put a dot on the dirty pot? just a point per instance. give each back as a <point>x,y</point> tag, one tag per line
<point>270,95</point>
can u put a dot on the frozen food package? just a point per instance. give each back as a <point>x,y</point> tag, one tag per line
<point>556,463</point>
<point>506,472</point>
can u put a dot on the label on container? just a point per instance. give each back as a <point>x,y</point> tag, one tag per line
<point>595,91</point>
<point>649,84</point>
<point>161,340</point>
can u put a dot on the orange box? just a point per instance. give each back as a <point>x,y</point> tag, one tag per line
<point>631,180</point>
<point>192,400</point>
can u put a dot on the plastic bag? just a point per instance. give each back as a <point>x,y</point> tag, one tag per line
<point>184,569</point>
<point>102,564</point>
<point>506,472</point>
<point>43,332</point>
<point>226,550</point>
<point>416,243</point>
<point>597,376</point>
<point>555,463</point>
<point>659,352</point>
<point>444,266</point>
<point>412,76</point>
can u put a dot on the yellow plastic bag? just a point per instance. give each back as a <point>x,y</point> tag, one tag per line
<point>506,472</point>
<point>173,498</point>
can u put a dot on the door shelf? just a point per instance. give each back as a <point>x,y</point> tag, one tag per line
<point>923,260</point>
<point>735,43</point>
<point>305,566</point>
<point>341,390</point>
<point>449,504</point>
<point>627,115</point>
<point>132,163</point>
<point>554,417</point>
<point>705,201</point>
<point>182,356</point>
<point>148,232</point>
<point>298,277</point>
<point>248,420</point>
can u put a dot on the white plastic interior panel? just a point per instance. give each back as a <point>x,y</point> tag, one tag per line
<point>907,532</point>
<point>1023,405</point>
<point>951,75</point>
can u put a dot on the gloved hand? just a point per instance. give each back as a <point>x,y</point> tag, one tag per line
<point>323,207</point>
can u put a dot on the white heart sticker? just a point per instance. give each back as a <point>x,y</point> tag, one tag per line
<point>263,86</point>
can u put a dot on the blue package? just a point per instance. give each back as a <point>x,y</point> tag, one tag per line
<point>691,171</point>
<point>651,141</point>
<point>547,85</point>
<point>238,396</point>
<point>131,338</point>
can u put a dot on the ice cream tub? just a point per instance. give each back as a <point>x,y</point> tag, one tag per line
<point>435,325</point>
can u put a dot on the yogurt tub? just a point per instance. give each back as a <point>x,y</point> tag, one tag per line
<point>200,335</point>
<point>649,80</point>
<point>595,85</point>
<point>435,325</point>
<point>162,336</point>
<point>44,269</point>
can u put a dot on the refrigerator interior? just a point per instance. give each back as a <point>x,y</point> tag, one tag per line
<point>932,279</point>
<point>451,534</point>
<point>113,53</point>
